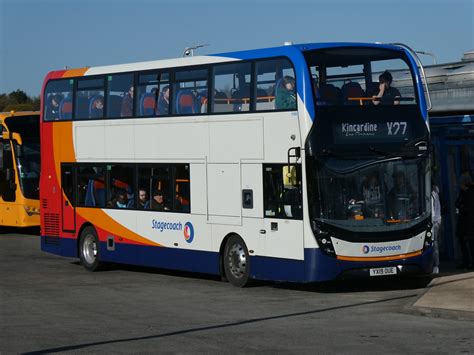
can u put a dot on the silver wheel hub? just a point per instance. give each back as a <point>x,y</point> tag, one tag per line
<point>237,260</point>
<point>89,249</point>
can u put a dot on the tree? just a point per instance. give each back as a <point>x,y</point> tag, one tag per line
<point>19,96</point>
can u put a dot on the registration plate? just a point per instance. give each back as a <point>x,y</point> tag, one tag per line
<point>382,271</point>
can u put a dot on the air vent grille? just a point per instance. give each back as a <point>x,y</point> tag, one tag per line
<point>51,224</point>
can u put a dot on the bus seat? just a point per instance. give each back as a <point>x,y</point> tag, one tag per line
<point>330,95</point>
<point>147,104</point>
<point>352,89</point>
<point>65,109</point>
<point>185,102</point>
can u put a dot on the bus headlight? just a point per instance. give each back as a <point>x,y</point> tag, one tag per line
<point>30,210</point>
<point>428,239</point>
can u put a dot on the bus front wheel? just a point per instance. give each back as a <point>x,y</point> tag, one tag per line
<point>236,262</point>
<point>89,249</point>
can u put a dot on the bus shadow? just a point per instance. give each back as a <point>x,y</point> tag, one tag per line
<point>214,327</point>
<point>109,267</point>
<point>34,231</point>
<point>336,286</point>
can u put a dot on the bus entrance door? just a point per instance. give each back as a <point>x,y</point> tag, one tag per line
<point>67,198</point>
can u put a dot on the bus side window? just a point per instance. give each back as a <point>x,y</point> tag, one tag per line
<point>282,191</point>
<point>87,94</point>
<point>275,85</point>
<point>190,92</point>
<point>182,189</point>
<point>91,186</point>
<point>7,174</point>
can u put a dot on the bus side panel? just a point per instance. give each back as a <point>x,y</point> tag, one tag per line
<point>277,269</point>
<point>162,257</point>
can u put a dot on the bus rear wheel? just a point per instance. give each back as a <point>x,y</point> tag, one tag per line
<point>89,249</point>
<point>236,262</point>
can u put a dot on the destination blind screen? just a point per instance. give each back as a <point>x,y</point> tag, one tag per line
<point>367,132</point>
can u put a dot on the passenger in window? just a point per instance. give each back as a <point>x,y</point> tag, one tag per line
<point>142,199</point>
<point>158,202</point>
<point>120,201</point>
<point>285,94</point>
<point>387,95</point>
<point>97,110</point>
<point>127,104</point>
<point>52,110</point>
<point>164,102</point>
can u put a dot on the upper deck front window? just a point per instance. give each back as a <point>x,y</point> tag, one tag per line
<point>361,77</point>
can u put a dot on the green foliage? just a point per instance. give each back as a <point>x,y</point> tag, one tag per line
<point>18,100</point>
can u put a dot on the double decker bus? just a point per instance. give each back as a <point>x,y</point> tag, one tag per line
<point>287,163</point>
<point>19,169</point>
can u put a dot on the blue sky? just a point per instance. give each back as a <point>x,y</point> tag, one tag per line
<point>37,36</point>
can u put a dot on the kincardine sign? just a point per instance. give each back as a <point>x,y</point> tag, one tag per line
<point>345,132</point>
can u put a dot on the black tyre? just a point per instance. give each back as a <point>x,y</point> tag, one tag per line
<point>236,262</point>
<point>89,249</point>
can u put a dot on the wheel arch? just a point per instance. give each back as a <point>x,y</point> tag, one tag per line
<point>78,237</point>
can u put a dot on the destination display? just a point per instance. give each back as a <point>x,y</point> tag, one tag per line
<point>380,132</point>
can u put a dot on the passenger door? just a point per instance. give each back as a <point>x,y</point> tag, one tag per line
<point>283,211</point>
<point>68,198</point>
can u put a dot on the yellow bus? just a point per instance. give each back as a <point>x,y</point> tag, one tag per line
<point>19,169</point>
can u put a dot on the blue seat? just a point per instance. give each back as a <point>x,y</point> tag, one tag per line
<point>185,102</point>
<point>147,105</point>
<point>95,195</point>
<point>65,109</point>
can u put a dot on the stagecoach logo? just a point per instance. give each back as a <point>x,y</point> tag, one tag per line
<point>359,129</point>
<point>188,232</point>
<point>376,249</point>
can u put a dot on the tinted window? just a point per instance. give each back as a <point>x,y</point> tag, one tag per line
<point>156,180</point>
<point>231,88</point>
<point>121,191</point>
<point>119,99</point>
<point>190,92</point>
<point>91,186</point>
<point>58,100</point>
<point>276,88</point>
<point>282,191</point>
<point>153,95</point>
<point>89,99</point>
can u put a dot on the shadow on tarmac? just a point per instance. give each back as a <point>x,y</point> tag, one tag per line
<point>217,326</point>
<point>34,231</point>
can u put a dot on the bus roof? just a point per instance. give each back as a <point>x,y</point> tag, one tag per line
<point>13,113</point>
<point>286,50</point>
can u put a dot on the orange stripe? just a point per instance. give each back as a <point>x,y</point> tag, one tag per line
<point>74,72</point>
<point>380,258</point>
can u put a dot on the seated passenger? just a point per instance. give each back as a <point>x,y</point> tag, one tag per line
<point>97,110</point>
<point>285,94</point>
<point>52,109</point>
<point>387,95</point>
<point>127,104</point>
<point>142,199</point>
<point>120,201</point>
<point>163,102</point>
<point>157,203</point>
